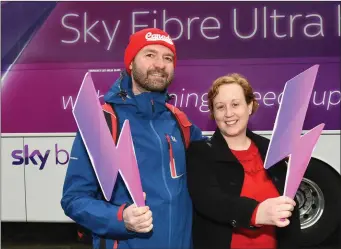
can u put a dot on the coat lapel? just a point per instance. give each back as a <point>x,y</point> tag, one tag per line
<point>261,143</point>
<point>223,153</point>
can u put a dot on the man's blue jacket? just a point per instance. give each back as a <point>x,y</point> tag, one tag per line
<point>155,135</point>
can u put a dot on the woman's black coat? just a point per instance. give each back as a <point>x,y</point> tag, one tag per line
<point>215,180</point>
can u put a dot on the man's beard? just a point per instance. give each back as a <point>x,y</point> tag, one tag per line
<point>144,81</point>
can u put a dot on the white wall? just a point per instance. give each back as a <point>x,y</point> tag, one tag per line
<point>29,193</point>
<point>44,186</point>
<point>33,195</point>
<point>12,182</point>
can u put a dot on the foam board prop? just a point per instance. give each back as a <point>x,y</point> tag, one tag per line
<point>286,139</point>
<point>106,158</point>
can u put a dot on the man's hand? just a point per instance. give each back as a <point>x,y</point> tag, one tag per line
<point>275,211</point>
<point>138,219</point>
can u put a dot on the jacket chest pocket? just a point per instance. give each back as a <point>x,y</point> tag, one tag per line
<point>176,157</point>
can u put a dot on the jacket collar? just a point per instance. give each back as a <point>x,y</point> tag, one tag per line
<point>146,104</point>
<point>223,153</point>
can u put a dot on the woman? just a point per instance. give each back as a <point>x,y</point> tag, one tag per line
<point>238,204</point>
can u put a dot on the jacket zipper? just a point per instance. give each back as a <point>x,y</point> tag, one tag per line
<point>153,108</point>
<point>165,182</point>
<point>171,158</point>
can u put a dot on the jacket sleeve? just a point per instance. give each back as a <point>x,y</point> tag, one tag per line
<point>80,199</point>
<point>196,133</point>
<point>208,198</point>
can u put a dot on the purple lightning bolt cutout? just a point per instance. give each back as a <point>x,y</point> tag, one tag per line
<point>106,159</point>
<point>286,139</point>
<point>298,161</point>
<point>128,165</point>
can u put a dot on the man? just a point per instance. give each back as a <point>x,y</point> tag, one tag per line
<point>139,95</point>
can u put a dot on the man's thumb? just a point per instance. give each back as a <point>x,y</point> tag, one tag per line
<point>144,195</point>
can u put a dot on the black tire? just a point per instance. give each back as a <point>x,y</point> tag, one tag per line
<point>328,181</point>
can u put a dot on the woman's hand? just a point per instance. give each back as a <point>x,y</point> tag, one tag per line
<point>275,211</point>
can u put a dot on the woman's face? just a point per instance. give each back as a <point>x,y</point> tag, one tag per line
<point>231,112</point>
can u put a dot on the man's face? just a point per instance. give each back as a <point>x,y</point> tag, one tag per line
<point>153,68</point>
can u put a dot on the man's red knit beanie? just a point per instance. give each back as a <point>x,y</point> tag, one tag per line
<point>143,38</point>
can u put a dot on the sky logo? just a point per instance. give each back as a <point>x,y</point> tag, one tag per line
<point>35,157</point>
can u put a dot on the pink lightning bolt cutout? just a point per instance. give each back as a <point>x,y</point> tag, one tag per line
<point>106,159</point>
<point>286,139</point>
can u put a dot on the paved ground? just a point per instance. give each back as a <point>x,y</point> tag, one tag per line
<point>64,236</point>
<point>46,246</point>
<point>40,236</point>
